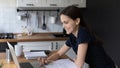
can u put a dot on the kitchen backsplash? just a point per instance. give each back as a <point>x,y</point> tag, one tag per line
<point>13,21</point>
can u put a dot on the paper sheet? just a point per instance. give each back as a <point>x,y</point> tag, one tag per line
<point>34,55</point>
<point>62,63</point>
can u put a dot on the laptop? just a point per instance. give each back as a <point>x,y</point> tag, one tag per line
<point>34,64</point>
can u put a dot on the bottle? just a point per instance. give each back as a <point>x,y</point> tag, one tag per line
<point>8,56</point>
<point>29,32</point>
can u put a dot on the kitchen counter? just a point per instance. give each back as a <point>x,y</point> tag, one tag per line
<point>35,37</point>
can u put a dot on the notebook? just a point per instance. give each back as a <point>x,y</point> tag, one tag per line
<point>21,65</point>
<point>34,55</point>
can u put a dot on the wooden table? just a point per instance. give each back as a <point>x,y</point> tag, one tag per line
<point>20,59</point>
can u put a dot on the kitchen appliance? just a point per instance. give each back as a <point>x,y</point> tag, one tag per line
<point>61,34</point>
<point>3,45</point>
<point>6,35</point>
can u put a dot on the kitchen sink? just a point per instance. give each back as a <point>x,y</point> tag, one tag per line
<point>60,35</point>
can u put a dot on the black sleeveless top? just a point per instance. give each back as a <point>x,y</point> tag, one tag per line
<point>96,56</point>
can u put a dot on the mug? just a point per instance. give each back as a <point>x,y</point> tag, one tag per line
<point>18,50</point>
<point>52,19</point>
<point>19,17</point>
<point>8,56</point>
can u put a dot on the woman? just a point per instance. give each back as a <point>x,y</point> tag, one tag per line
<point>82,40</point>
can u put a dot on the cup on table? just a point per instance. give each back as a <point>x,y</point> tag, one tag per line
<point>8,56</point>
<point>18,50</point>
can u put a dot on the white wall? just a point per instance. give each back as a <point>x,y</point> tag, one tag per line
<point>7,16</point>
<point>10,23</point>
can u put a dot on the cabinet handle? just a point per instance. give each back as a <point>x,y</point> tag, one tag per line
<point>53,4</point>
<point>56,45</point>
<point>51,45</point>
<point>29,4</point>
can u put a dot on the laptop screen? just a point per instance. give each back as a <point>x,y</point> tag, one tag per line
<point>13,54</point>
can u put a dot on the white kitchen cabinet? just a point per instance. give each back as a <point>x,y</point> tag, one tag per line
<point>53,3</point>
<point>65,3</point>
<point>38,3</point>
<point>35,4</point>
<point>27,46</point>
<point>28,3</point>
<point>79,3</point>
<point>44,45</point>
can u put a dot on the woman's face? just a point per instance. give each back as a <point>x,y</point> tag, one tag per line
<point>69,24</point>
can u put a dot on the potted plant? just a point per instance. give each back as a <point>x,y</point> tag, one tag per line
<point>1,64</point>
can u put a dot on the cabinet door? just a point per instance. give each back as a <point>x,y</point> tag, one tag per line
<point>74,2</point>
<point>44,45</point>
<point>42,3</point>
<point>79,3</point>
<point>64,3</point>
<point>50,3</point>
<point>27,3</point>
<point>27,46</point>
<point>53,3</point>
<point>57,44</point>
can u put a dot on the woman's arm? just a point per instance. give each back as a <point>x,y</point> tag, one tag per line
<point>56,55</point>
<point>81,54</point>
<point>59,53</point>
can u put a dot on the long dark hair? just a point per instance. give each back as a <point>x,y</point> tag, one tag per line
<point>74,12</point>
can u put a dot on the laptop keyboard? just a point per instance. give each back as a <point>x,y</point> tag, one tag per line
<point>26,65</point>
<point>34,64</point>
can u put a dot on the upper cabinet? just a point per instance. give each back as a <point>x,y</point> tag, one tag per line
<point>79,3</point>
<point>27,3</point>
<point>42,4</point>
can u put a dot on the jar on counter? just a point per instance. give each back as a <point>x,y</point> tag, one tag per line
<point>24,31</point>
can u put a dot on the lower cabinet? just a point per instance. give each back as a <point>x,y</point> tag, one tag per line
<point>27,46</point>
<point>42,45</point>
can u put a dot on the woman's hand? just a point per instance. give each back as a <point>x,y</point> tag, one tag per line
<point>54,56</point>
<point>44,61</point>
